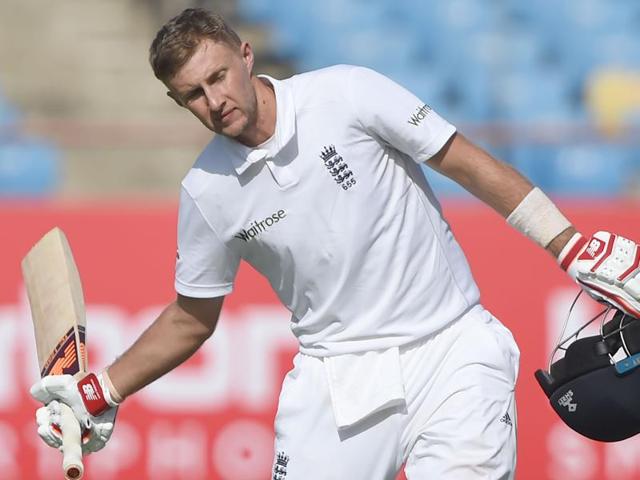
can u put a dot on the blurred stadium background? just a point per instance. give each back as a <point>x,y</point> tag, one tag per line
<point>89,141</point>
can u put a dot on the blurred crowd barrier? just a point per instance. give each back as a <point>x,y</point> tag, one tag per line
<point>212,418</point>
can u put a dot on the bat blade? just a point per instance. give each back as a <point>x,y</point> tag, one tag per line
<point>57,310</point>
<point>57,305</point>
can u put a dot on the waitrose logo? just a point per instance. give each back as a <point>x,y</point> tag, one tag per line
<point>257,227</point>
<point>420,114</point>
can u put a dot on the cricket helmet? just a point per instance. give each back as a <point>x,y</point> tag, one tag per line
<point>595,387</point>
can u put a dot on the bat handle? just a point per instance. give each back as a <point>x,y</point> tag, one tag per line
<point>71,444</point>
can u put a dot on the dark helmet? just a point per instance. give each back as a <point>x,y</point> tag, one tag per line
<point>595,387</point>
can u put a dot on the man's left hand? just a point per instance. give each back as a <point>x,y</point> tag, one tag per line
<point>607,267</point>
<point>89,403</point>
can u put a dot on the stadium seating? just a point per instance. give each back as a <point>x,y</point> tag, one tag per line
<point>28,167</point>
<point>8,116</point>
<point>475,61</point>
<point>541,68</point>
<point>584,169</point>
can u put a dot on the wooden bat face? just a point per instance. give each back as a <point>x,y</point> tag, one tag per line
<point>57,305</point>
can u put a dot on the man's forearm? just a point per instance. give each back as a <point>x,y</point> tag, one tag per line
<point>173,337</point>
<point>503,188</point>
<point>495,183</point>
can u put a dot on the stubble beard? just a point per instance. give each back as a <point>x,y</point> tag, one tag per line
<point>249,120</point>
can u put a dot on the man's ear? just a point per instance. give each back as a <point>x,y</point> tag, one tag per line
<point>247,56</point>
<point>175,98</point>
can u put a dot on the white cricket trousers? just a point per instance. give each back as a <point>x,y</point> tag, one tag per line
<point>457,420</point>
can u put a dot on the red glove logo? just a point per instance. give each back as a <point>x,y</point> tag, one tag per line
<point>592,251</point>
<point>92,396</point>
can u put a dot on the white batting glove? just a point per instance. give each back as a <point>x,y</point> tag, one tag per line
<point>90,401</point>
<point>607,267</point>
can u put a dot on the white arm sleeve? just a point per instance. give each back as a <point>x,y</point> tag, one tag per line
<point>397,116</point>
<point>205,267</point>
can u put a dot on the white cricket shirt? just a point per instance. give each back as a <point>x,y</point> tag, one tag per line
<point>336,213</point>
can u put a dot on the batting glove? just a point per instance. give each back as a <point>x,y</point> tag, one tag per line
<point>91,404</point>
<point>607,267</point>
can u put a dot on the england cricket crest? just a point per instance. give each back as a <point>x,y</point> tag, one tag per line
<point>280,466</point>
<point>337,167</point>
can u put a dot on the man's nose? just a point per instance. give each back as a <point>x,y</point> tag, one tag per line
<point>214,100</point>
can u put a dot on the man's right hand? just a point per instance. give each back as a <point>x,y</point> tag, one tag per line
<point>88,399</point>
<point>607,267</point>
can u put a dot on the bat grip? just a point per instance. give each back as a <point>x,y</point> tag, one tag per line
<point>71,444</point>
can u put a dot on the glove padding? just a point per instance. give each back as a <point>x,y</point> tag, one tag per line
<point>607,267</point>
<point>96,428</point>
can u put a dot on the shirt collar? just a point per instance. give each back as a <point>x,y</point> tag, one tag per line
<point>284,131</point>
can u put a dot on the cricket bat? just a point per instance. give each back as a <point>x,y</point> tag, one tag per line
<point>57,309</point>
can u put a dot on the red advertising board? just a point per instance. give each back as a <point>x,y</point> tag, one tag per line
<point>212,417</point>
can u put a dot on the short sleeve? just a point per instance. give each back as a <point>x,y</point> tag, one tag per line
<point>205,267</point>
<point>396,115</point>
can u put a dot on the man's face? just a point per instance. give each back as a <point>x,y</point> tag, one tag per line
<point>215,85</point>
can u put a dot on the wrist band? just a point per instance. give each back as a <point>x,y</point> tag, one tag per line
<point>570,250</point>
<point>537,217</point>
<point>112,396</point>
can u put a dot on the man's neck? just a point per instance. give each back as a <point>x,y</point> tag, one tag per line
<point>265,123</point>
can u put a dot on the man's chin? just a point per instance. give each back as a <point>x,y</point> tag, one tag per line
<point>228,130</point>
<point>233,130</point>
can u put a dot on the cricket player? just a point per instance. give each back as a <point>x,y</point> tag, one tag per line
<point>316,182</point>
